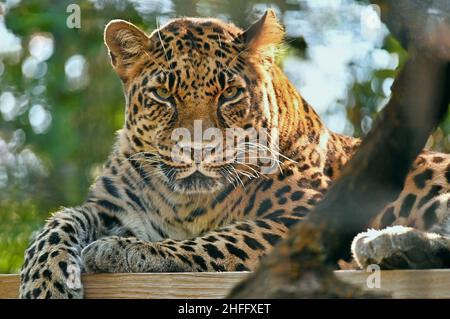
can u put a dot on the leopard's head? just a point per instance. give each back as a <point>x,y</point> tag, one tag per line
<point>186,77</point>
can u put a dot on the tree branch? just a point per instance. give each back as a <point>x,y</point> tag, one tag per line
<point>301,265</point>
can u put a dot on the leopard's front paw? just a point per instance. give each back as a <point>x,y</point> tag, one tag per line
<point>401,247</point>
<point>116,254</point>
<point>51,274</point>
<point>108,254</point>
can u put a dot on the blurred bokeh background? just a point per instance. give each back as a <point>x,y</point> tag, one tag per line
<point>60,101</point>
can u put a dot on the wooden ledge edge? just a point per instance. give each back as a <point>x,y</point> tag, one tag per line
<point>433,283</point>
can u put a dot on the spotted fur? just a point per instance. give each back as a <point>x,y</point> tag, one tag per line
<point>148,213</point>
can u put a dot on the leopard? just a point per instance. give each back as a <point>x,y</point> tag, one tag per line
<point>149,211</point>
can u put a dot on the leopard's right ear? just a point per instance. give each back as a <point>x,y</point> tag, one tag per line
<point>266,32</point>
<point>126,44</point>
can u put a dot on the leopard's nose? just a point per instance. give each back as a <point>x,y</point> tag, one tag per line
<point>198,151</point>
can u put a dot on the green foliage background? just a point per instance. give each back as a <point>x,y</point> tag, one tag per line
<point>84,120</point>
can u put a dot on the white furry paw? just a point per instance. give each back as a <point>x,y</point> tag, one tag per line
<point>400,247</point>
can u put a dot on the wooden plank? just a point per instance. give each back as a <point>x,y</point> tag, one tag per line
<point>169,285</point>
<point>9,286</point>
<point>145,286</point>
<point>423,284</point>
<point>399,283</point>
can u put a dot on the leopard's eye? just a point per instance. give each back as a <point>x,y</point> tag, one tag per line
<point>162,93</point>
<point>230,92</point>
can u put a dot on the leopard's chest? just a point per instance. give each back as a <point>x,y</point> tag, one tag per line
<point>187,218</point>
<point>170,217</point>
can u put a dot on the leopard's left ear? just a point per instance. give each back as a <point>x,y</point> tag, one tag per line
<point>126,44</point>
<point>264,34</point>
